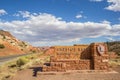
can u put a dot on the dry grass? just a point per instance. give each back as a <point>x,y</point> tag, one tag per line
<point>114,62</point>
<point>10,68</point>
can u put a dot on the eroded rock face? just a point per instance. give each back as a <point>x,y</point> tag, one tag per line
<point>14,46</point>
<point>79,57</point>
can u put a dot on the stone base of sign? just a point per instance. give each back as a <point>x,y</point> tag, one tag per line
<point>63,65</point>
<point>78,71</point>
<point>95,60</point>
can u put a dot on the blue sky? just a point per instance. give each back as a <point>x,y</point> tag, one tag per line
<point>61,22</point>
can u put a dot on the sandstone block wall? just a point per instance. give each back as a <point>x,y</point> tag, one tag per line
<point>100,61</point>
<point>79,57</point>
<point>63,65</point>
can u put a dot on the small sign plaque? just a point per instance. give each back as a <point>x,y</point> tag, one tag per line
<point>105,60</point>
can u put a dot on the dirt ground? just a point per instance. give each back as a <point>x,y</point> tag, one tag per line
<point>31,74</point>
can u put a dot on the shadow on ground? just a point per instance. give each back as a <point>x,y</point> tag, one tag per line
<point>35,70</point>
<point>38,69</point>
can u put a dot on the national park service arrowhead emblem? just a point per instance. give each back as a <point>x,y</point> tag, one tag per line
<point>101,49</point>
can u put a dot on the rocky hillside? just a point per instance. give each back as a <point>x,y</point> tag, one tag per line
<point>9,45</point>
<point>114,46</point>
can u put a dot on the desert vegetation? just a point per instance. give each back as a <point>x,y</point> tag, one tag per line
<point>114,46</point>
<point>10,68</point>
<point>114,62</point>
<point>2,46</point>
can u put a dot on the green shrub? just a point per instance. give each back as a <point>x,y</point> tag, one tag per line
<point>4,37</point>
<point>118,53</point>
<point>2,46</point>
<point>22,61</point>
<point>12,65</point>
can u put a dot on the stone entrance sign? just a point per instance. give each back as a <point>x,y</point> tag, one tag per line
<point>78,57</point>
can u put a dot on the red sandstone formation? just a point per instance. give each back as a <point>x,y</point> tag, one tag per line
<point>9,49</point>
<point>49,51</point>
<point>13,46</point>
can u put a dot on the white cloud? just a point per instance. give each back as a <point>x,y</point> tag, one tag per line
<point>110,38</point>
<point>2,12</point>
<point>115,31</point>
<point>114,5</point>
<point>96,0</point>
<point>45,28</point>
<point>78,16</point>
<point>105,22</point>
<point>59,42</point>
<point>24,14</point>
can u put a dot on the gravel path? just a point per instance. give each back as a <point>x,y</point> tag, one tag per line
<point>30,74</point>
